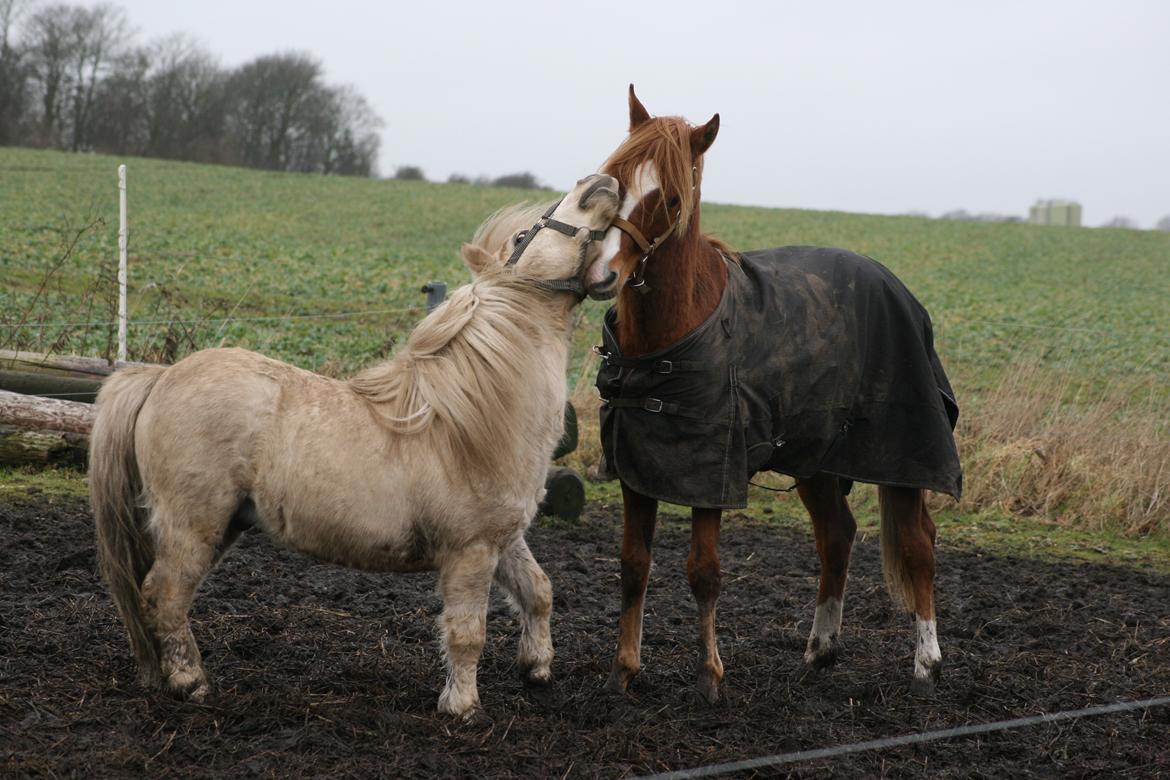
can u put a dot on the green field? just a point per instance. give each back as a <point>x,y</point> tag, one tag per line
<point>280,262</point>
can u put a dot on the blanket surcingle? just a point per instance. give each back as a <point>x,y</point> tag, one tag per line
<point>814,360</point>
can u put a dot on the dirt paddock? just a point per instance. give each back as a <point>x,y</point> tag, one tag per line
<point>322,671</point>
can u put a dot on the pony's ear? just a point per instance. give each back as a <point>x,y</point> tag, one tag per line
<point>702,137</point>
<point>638,112</point>
<point>477,258</point>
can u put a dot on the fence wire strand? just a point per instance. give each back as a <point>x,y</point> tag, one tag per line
<point>907,739</point>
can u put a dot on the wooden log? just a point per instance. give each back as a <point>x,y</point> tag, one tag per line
<point>21,446</point>
<point>50,385</point>
<point>565,496</point>
<point>44,414</point>
<point>59,365</point>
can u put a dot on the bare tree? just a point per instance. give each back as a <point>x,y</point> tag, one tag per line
<point>47,44</point>
<point>269,98</point>
<point>96,34</point>
<point>13,71</point>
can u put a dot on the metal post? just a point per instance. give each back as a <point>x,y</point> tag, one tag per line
<point>436,292</point>
<point>123,236</point>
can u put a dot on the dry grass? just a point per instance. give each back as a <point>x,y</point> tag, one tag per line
<point>1036,447</point>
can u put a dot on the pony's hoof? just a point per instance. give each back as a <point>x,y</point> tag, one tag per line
<point>822,653</point>
<point>537,678</point>
<point>476,717</point>
<point>923,686</point>
<point>191,686</point>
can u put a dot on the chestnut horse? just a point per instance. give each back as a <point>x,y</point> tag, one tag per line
<point>669,278</point>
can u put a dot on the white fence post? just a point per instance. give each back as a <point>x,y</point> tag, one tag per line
<point>123,236</point>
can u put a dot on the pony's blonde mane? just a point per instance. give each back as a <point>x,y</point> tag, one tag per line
<point>495,234</point>
<point>464,372</point>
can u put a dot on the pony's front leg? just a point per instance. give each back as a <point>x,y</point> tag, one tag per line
<point>465,580</point>
<point>637,536</point>
<point>526,583</point>
<point>705,577</point>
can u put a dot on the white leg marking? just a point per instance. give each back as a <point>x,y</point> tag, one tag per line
<point>825,629</point>
<point>927,656</point>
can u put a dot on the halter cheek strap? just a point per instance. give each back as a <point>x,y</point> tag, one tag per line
<point>637,280</point>
<point>573,283</point>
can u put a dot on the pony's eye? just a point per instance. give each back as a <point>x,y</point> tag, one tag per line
<point>519,237</point>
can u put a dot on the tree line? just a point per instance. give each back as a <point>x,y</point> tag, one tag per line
<point>74,78</point>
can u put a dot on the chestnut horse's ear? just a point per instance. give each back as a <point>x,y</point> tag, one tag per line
<point>476,257</point>
<point>638,112</point>
<point>702,137</point>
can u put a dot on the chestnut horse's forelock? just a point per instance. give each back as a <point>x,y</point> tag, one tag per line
<point>664,141</point>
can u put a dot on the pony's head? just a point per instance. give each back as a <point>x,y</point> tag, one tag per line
<point>659,168</point>
<point>555,245</point>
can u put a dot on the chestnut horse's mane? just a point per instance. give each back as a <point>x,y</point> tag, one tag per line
<point>665,141</point>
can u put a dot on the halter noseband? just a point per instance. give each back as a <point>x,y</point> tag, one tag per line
<point>573,283</point>
<point>637,280</point>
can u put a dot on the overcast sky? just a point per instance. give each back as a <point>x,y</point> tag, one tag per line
<point>883,107</point>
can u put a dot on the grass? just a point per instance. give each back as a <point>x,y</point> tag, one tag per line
<point>1057,340</point>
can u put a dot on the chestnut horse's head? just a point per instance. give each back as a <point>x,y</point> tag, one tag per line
<point>659,168</point>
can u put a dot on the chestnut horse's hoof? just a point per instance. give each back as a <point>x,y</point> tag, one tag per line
<point>708,687</point>
<point>924,686</point>
<point>822,653</point>
<point>619,681</point>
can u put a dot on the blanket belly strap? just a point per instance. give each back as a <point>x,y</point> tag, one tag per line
<point>654,406</point>
<point>655,366</point>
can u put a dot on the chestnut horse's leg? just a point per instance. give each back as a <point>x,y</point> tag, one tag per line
<point>465,579</point>
<point>834,529</point>
<point>908,536</point>
<point>705,578</point>
<point>525,582</point>
<point>637,536</point>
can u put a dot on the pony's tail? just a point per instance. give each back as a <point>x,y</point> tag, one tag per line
<point>125,547</point>
<point>894,503</point>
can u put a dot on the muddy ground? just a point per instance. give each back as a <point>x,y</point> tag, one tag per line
<point>321,671</point>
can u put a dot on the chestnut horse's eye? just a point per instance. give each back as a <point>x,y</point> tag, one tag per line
<point>673,203</point>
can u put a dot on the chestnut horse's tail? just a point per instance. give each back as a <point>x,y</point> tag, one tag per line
<point>901,510</point>
<point>125,546</point>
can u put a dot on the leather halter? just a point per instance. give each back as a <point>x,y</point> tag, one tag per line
<point>574,283</point>
<point>637,280</point>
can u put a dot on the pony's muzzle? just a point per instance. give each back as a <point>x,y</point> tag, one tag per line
<point>603,186</point>
<point>605,289</point>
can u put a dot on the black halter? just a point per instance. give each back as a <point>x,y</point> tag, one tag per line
<point>572,284</point>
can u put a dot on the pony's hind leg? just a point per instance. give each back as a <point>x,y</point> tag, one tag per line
<point>637,537</point>
<point>834,529</point>
<point>185,553</point>
<point>705,578</point>
<point>525,582</point>
<point>465,579</point>
<point>908,536</point>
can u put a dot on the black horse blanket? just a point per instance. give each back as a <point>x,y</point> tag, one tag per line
<point>814,360</point>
